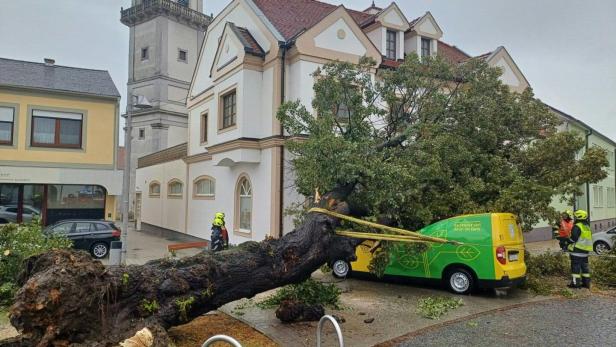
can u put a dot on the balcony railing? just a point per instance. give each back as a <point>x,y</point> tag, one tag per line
<point>148,9</point>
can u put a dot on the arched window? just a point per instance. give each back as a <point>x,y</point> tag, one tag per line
<point>174,188</point>
<point>154,189</point>
<point>243,203</point>
<point>204,187</point>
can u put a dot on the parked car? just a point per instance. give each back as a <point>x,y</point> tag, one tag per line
<point>490,255</point>
<point>603,242</point>
<point>93,236</point>
<point>8,213</point>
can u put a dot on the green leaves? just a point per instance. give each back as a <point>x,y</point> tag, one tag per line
<point>430,140</point>
<point>17,243</point>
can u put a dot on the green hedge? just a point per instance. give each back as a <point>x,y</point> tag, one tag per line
<point>17,243</point>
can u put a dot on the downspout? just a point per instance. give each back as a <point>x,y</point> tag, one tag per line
<point>588,184</point>
<point>284,46</point>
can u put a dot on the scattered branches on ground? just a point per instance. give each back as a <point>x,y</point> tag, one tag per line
<point>435,307</point>
<point>309,292</point>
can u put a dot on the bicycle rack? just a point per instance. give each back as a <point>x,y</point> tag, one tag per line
<point>224,338</point>
<point>336,326</point>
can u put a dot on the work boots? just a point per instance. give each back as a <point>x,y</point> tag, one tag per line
<point>586,282</point>
<point>575,283</point>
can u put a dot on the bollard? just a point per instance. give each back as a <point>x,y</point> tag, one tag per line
<point>115,253</point>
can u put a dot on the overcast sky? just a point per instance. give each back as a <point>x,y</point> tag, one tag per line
<point>565,48</point>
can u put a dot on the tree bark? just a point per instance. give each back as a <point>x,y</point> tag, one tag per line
<point>68,299</point>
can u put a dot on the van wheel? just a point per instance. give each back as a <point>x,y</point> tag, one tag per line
<point>460,281</point>
<point>99,250</point>
<point>341,269</point>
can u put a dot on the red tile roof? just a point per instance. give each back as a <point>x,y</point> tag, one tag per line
<point>290,17</point>
<point>390,63</point>
<point>250,44</point>
<point>451,53</point>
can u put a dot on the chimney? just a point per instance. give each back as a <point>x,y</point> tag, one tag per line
<point>49,61</point>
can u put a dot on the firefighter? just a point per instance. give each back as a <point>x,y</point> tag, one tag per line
<point>580,245</point>
<point>225,234</point>
<point>563,233</point>
<point>216,239</point>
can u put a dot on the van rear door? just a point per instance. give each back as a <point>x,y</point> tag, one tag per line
<point>508,246</point>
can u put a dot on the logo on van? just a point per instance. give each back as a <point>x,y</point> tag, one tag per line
<point>467,253</point>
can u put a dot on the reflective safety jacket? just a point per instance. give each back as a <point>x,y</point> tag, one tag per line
<point>565,228</point>
<point>581,238</point>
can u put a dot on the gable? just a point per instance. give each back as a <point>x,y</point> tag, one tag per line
<point>511,74</point>
<point>427,26</point>
<point>337,37</point>
<point>340,37</point>
<point>241,13</point>
<point>392,17</point>
<point>227,51</point>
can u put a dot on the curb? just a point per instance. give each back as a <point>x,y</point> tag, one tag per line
<point>403,338</point>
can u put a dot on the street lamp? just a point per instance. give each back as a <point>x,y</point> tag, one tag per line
<point>137,102</point>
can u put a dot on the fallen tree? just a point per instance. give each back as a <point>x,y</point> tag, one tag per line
<point>422,143</point>
<point>69,299</point>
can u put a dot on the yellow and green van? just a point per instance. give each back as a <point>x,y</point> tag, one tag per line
<point>491,254</point>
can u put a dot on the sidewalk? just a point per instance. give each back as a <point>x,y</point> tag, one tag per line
<point>542,246</point>
<point>143,247</point>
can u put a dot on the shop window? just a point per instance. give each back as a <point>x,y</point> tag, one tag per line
<point>65,196</point>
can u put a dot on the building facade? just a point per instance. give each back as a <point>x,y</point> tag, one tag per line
<point>58,140</point>
<point>165,37</point>
<point>257,54</point>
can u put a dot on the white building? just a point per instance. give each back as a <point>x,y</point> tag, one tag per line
<point>257,54</point>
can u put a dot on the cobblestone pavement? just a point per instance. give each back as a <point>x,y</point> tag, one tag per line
<point>587,321</point>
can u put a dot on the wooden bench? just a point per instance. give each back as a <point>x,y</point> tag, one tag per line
<point>177,246</point>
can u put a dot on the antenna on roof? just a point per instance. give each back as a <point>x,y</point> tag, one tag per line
<point>373,5</point>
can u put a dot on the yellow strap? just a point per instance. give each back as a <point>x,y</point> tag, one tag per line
<point>382,237</point>
<point>383,227</point>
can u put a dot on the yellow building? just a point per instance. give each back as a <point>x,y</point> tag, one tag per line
<point>58,140</point>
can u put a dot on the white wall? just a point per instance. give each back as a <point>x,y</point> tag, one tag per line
<point>238,15</point>
<point>376,36</point>
<point>412,44</point>
<point>201,212</point>
<point>300,82</point>
<point>187,39</point>
<point>163,211</point>
<point>349,43</point>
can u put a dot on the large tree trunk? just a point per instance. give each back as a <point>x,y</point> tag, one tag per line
<point>69,299</point>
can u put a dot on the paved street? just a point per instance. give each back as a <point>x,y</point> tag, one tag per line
<point>391,306</point>
<point>586,321</point>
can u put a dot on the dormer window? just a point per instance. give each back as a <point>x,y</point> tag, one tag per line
<point>391,44</point>
<point>425,47</point>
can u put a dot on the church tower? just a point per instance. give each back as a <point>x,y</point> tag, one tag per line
<point>165,38</point>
